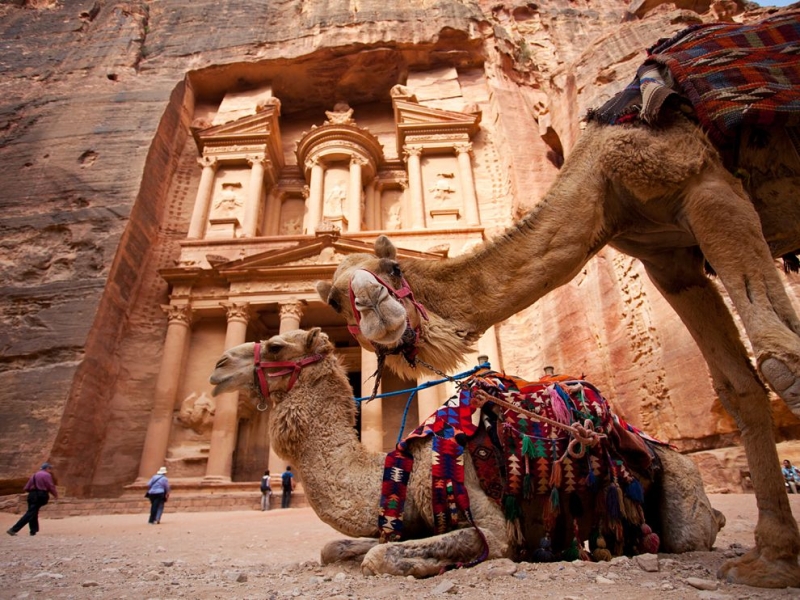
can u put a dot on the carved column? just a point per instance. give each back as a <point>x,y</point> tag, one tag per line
<point>487,345</point>
<point>156,440</point>
<point>314,201</point>
<point>429,399</point>
<point>467,184</point>
<point>291,314</point>
<point>413,160</point>
<point>203,199</point>
<point>254,193</point>
<point>354,191</point>
<point>226,417</point>
<point>373,216</point>
<point>371,412</point>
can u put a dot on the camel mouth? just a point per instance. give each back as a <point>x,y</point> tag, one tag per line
<point>220,383</point>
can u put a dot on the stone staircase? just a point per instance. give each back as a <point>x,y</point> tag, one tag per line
<point>186,496</point>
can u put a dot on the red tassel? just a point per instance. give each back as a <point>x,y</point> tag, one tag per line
<point>650,541</point>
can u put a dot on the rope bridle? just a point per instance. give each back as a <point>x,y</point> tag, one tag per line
<point>408,346</point>
<point>287,367</point>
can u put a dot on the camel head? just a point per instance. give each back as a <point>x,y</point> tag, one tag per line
<point>368,291</point>
<point>272,365</point>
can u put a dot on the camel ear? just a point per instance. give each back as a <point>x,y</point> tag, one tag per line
<point>384,248</point>
<point>317,341</point>
<point>324,290</point>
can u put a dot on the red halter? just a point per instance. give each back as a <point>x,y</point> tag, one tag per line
<point>290,366</point>
<point>403,292</point>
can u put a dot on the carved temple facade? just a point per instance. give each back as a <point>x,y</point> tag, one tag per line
<point>274,203</point>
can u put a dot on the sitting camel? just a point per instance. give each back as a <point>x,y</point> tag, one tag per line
<point>312,423</point>
<point>662,194</point>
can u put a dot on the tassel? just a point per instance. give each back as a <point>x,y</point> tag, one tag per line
<point>612,503</point>
<point>601,553</point>
<point>527,486</point>
<point>634,491</point>
<point>650,541</point>
<point>511,508</point>
<point>560,411</point>
<point>591,480</point>
<point>527,447</point>
<point>552,509</point>
<point>555,475</point>
<point>571,553</point>
<point>632,512</point>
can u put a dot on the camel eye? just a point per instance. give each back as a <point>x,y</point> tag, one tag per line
<point>334,305</point>
<point>274,348</point>
<point>396,271</point>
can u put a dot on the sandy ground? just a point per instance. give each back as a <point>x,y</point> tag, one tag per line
<point>275,554</point>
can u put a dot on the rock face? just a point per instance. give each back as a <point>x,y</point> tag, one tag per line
<point>98,102</point>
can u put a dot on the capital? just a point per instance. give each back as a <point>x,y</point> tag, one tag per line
<point>178,313</point>
<point>358,160</point>
<point>463,147</point>
<point>257,160</point>
<point>292,310</point>
<point>237,310</point>
<point>208,161</point>
<point>410,151</point>
<point>312,162</point>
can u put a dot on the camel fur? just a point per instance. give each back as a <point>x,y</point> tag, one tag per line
<point>660,194</point>
<point>312,426</point>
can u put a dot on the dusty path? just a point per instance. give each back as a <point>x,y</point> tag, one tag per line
<point>276,555</point>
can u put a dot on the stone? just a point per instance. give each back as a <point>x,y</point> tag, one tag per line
<point>445,586</point>
<point>702,584</point>
<point>648,562</point>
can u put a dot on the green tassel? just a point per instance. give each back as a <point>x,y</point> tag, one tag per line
<point>571,553</point>
<point>527,447</point>
<point>511,508</point>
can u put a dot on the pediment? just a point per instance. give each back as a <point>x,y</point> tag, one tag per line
<point>321,252</point>
<point>251,128</point>
<point>410,115</point>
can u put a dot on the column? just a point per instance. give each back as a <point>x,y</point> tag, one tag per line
<point>371,412</point>
<point>156,440</point>
<point>413,154</point>
<point>272,214</point>
<point>255,190</point>
<point>291,313</point>
<point>429,399</point>
<point>226,417</point>
<point>314,201</point>
<point>203,199</point>
<point>373,216</point>
<point>354,192</point>
<point>487,345</point>
<point>467,183</point>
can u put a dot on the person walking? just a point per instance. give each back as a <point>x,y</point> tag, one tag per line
<point>266,491</point>
<point>158,493</point>
<point>39,488</point>
<point>287,485</point>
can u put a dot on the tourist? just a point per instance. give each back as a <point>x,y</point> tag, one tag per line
<point>791,475</point>
<point>266,491</point>
<point>39,488</point>
<point>158,493</point>
<point>287,484</point>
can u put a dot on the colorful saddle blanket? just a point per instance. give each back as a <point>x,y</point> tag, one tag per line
<point>518,456</point>
<point>730,74</point>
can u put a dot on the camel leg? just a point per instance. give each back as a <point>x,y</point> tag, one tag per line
<point>773,562</point>
<point>429,556</point>
<point>728,230</point>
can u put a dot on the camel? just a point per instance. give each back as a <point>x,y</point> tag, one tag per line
<point>660,193</point>
<point>311,425</point>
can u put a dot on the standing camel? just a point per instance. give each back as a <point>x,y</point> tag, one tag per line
<point>312,425</point>
<point>661,194</point>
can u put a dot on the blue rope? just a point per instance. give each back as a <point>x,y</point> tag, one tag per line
<point>423,386</point>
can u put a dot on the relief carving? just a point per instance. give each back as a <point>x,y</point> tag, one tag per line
<point>229,199</point>
<point>334,200</point>
<point>341,115</point>
<point>197,412</point>
<point>443,188</point>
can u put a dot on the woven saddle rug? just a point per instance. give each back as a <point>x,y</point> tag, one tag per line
<point>729,74</point>
<point>519,458</point>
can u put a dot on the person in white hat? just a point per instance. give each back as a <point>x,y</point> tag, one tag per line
<point>158,493</point>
